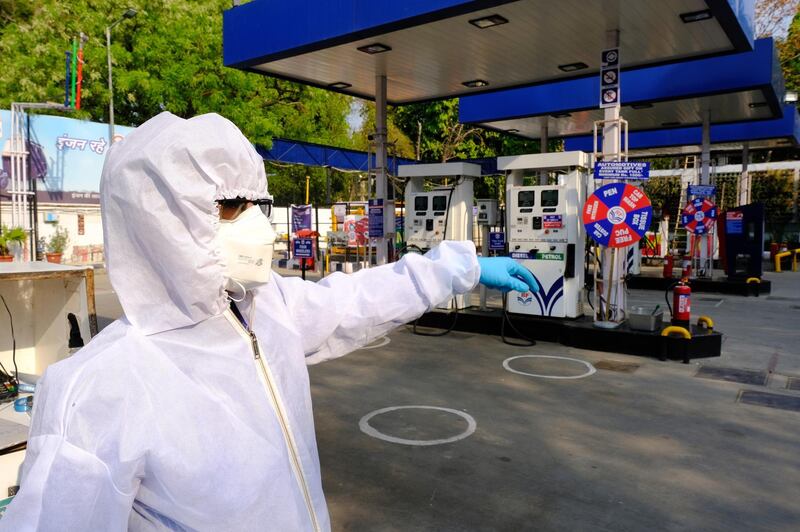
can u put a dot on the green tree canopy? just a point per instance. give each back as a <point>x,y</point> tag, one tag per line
<point>167,57</point>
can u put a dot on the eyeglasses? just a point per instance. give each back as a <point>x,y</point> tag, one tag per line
<point>239,205</point>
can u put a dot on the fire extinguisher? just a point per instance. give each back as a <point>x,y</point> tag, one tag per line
<point>687,268</point>
<point>681,308</point>
<point>669,263</point>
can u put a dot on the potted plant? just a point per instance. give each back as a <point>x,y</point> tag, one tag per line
<point>57,244</point>
<point>8,237</point>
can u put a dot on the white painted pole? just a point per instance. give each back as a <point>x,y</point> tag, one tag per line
<point>545,137</point>
<point>705,157</point>
<point>744,178</point>
<point>381,180</point>
<point>612,260</point>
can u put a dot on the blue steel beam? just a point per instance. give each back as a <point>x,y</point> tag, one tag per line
<point>757,69</point>
<point>311,154</point>
<point>785,128</point>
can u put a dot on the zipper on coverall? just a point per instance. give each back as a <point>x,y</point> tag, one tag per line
<point>272,391</point>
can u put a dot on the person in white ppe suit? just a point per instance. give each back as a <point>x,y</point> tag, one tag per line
<point>190,413</point>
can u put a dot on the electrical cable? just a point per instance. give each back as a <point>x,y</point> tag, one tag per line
<point>13,391</point>
<point>666,295</point>
<point>528,342</point>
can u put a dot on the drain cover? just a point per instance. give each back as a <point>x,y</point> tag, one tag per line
<point>613,365</point>
<point>743,376</point>
<point>770,400</point>
<point>793,383</point>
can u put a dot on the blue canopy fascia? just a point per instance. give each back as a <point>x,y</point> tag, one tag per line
<point>787,127</point>
<point>267,30</point>
<point>757,69</point>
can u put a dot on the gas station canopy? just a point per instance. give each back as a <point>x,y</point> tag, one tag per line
<point>432,49</point>
<point>758,134</point>
<point>733,88</point>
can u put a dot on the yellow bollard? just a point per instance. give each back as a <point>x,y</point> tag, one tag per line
<point>778,257</point>
<point>678,330</point>
<point>675,329</point>
<point>705,321</point>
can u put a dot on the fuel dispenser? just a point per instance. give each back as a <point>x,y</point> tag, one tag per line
<point>545,233</point>
<point>438,201</point>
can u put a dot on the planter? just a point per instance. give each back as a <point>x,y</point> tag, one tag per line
<point>6,258</point>
<point>53,257</point>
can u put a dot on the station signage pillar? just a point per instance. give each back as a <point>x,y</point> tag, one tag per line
<point>614,262</point>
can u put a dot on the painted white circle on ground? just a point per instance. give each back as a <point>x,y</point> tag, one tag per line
<point>589,368</point>
<point>380,342</point>
<point>369,430</point>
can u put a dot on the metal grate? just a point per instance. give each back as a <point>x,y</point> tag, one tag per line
<point>742,376</point>
<point>770,400</point>
<point>613,365</point>
<point>793,383</point>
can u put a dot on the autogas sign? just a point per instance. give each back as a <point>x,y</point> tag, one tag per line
<point>631,170</point>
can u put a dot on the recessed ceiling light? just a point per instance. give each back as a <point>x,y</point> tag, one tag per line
<point>488,22</point>
<point>642,106</point>
<point>339,85</point>
<point>475,83</point>
<point>561,115</point>
<point>670,124</point>
<point>572,67</point>
<point>756,105</point>
<point>695,16</point>
<point>374,48</point>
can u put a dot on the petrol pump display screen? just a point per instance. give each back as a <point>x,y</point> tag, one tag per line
<point>526,198</point>
<point>549,198</point>
<point>440,203</point>
<point>421,203</point>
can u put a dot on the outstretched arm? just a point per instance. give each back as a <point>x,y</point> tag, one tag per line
<point>344,312</point>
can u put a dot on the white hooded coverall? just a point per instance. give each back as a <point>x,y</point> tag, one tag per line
<point>168,419</point>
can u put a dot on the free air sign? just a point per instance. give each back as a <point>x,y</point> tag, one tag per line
<point>620,170</point>
<point>304,248</point>
<point>702,190</point>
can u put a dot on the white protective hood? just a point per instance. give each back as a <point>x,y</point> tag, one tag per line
<point>176,417</point>
<point>158,190</point>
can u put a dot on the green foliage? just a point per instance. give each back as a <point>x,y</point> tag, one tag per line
<point>10,235</point>
<point>58,240</point>
<point>774,190</point>
<point>434,127</point>
<point>167,57</point>
<point>789,52</point>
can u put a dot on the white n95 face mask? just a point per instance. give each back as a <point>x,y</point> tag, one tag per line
<point>247,242</point>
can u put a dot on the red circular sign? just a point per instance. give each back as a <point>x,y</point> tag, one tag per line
<point>617,215</point>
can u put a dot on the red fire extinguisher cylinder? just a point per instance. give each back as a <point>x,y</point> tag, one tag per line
<point>669,262</point>
<point>681,304</point>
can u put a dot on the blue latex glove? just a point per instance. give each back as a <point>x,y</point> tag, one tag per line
<point>506,274</point>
